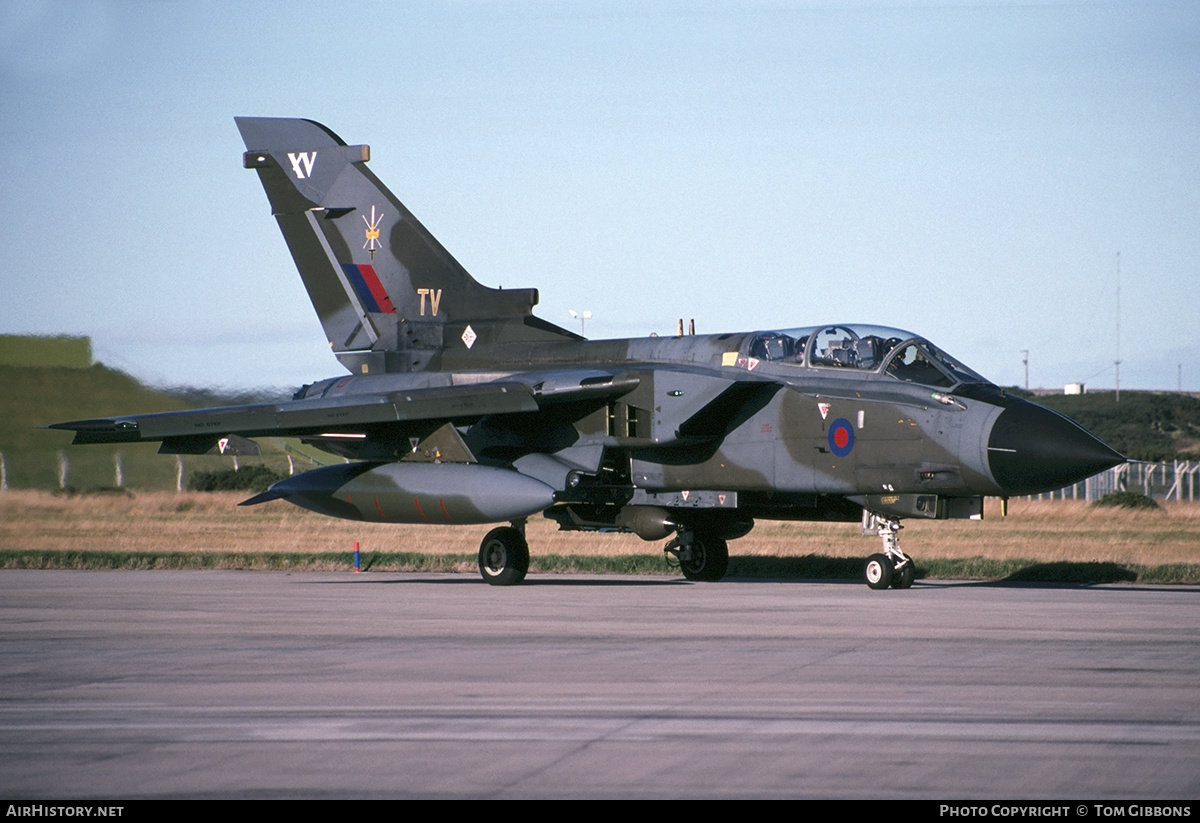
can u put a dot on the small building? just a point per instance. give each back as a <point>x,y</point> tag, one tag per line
<point>73,352</point>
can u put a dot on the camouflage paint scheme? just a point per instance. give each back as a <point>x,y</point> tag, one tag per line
<point>461,406</point>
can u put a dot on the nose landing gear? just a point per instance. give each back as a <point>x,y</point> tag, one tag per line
<point>892,567</point>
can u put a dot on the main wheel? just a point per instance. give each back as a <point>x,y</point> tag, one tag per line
<point>903,577</point>
<point>708,562</point>
<point>878,571</point>
<point>504,557</point>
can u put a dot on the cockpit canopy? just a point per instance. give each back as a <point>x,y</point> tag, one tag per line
<point>897,353</point>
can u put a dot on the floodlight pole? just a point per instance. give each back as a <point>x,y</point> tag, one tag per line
<point>582,317</point>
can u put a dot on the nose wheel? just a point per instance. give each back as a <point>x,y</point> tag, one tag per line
<point>879,571</point>
<point>892,567</point>
<point>903,576</point>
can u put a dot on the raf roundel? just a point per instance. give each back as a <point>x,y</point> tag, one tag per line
<point>841,437</point>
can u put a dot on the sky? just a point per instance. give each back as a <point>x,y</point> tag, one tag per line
<point>999,177</point>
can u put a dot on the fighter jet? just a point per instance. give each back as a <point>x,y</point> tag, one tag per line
<point>462,407</point>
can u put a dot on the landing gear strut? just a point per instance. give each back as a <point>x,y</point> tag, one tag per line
<point>504,556</point>
<point>892,567</point>
<point>703,560</point>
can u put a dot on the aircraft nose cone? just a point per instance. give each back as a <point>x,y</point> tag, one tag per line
<point>1032,449</point>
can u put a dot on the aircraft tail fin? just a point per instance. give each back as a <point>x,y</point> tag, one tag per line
<point>388,294</point>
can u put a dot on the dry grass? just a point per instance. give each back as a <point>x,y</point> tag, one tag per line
<point>1043,531</point>
<point>1040,530</point>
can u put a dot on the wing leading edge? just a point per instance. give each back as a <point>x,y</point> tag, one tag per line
<point>196,432</point>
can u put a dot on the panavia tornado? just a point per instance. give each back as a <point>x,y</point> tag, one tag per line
<point>462,407</point>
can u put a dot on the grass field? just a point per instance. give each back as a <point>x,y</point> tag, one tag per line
<point>1046,540</point>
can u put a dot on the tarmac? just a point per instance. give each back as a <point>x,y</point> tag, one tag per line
<point>209,684</point>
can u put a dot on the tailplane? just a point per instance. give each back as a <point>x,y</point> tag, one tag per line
<point>388,294</point>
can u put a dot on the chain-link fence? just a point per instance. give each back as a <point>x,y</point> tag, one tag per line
<point>1177,480</point>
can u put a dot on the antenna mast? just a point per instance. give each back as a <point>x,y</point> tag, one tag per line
<point>1117,364</point>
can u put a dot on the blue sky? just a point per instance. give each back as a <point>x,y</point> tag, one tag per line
<point>965,170</point>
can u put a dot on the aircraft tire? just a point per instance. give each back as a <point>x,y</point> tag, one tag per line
<point>903,577</point>
<point>504,557</point>
<point>709,562</point>
<point>878,571</point>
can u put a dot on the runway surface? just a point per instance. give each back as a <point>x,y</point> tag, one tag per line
<point>260,684</point>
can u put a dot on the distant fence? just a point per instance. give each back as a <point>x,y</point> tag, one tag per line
<point>97,471</point>
<point>1178,480</point>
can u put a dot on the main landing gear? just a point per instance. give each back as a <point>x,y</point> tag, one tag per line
<point>504,555</point>
<point>892,567</point>
<point>701,559</point>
